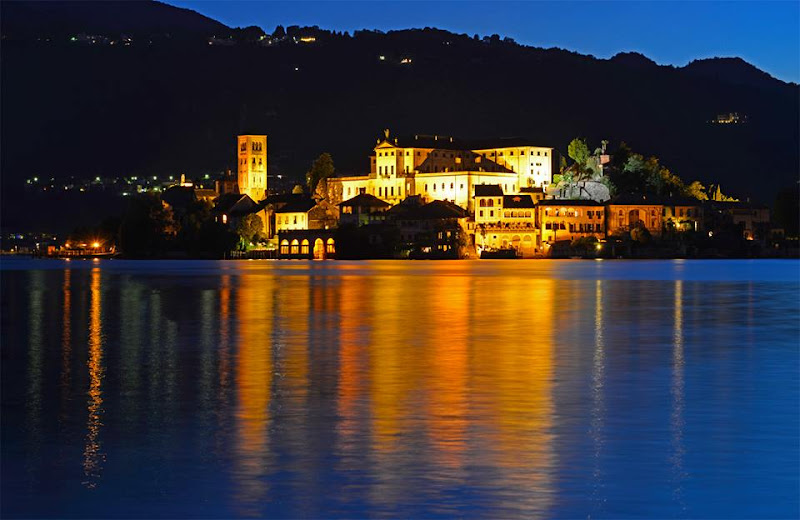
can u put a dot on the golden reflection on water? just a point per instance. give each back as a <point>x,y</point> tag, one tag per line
<point>92,454</point>
<point>253,379</point>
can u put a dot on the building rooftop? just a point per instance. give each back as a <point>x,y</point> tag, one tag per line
<point>518,201</point>
<point>570,202</point>
<point>488,190</point>
<point>445,142</point>
<point>435,210</point>
<point>365,200</point>
<point>299,205</point>
<point>235,204</point>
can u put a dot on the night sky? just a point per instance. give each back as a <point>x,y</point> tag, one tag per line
<point>766,34</point>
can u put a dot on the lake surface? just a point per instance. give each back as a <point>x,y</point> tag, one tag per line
<point>534,389</point>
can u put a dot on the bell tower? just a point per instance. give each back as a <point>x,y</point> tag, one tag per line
<point>252,169</point>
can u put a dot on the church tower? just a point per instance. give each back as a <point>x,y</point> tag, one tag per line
<point>253,166</point>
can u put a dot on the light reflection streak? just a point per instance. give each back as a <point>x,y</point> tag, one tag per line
<point>677,420</point>
<point>66,341</point>
<point>93,457</point>
<point>253,384</point>
<point>598,398</point>
<point>34,393</point>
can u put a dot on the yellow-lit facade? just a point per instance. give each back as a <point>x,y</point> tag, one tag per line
<point>291,221</point>
<point>621,218</point>
<point>683,217</point>
<point>503,222</point>
<point>569,220</point>
<point>439,170</point>
<point>252,167</point>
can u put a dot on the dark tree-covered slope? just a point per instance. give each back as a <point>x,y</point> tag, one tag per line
<point>175,106</point>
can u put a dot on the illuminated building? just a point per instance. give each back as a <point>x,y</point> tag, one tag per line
<point>626,212</point>
<point>443,168</point>
<point>504,221</point>
<point>570,219</point>
<point>682,214</point>
<point>252,166</point>
<point>363,209</point>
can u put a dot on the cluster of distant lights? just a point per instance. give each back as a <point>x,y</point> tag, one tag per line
<point>83,184</point>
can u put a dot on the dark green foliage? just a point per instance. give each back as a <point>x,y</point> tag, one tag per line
<point>146,227</point>
<point>787,210</point>
<point>250,228</point>
<point>322,168</point>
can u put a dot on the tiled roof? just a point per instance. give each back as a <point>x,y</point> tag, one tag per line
<point>488,190</point>
<point>365,200</point>
<point>569,202</point>
<point>523,200</point>
<point>301,205</point>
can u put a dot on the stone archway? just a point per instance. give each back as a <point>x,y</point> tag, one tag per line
<point>319,249</point>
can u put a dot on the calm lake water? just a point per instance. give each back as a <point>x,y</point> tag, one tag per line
<point>535,389</point>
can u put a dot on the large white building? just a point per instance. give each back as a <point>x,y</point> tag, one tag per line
<point>443,168</point>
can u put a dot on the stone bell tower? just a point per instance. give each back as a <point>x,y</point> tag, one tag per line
<point>252,179</point>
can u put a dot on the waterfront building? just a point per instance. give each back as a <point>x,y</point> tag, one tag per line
<point>504,221</point>
<point>230,208</point>
<point>569,220</point>
<point>626,211</point>
<point>682,214</point>
<point>303,213</point>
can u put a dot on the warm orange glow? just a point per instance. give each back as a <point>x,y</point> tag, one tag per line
<point>95,244</point>
<point>92,454</point>
<point>254,370</point>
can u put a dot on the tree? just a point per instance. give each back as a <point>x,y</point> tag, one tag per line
<point>640,234</point>
<point>249,228</point>
<point>322,168</point>
<point>787,210</point>
<point>578,152</point>
<point>696,190</point>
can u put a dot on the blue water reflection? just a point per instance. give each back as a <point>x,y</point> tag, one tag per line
<point>537,389</point>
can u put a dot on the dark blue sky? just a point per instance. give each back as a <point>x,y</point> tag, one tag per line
<point>764,33</point>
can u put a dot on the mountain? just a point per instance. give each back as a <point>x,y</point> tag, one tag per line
<point>633,59</point>
<point>50,19</point>
<point>734,71</point>
<point>175,105</point>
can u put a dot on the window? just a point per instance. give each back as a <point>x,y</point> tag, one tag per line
<point>393,169</point>
<point>481,212</point>
<point>538,153</point>
<point>491,213</point>
<point>426,187</point>
<point>392,191</point>
<point>295,247</point>
<point>511,152</point>
<point>442,186</point>
<point>545,154</point>
<point>461,187</point>
<point>295,219</point>
<point>304,247</point>
<point>285,247</point>
<point>329,246</point>
<point>451,185</point>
